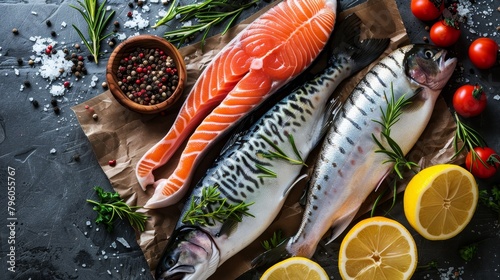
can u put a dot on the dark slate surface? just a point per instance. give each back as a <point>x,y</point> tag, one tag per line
<point>54,169</point>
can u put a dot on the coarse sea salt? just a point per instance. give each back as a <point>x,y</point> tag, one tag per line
<point>57,90</point>
<point>137,21</point>
<point>55,65</point>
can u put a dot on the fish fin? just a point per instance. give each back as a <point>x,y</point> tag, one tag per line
<point>346,41</point>
<point>272,256</point>
<point>331,113</point>
<point>300,178</point>
<point>341,224</point>
<point>228,227</point>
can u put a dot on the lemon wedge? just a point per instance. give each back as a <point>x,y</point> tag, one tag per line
<point>440,201</point>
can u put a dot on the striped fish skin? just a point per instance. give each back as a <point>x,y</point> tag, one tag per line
<point>348,169</point>
<point>303,115</point>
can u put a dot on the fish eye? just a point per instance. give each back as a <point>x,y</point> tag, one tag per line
<point>169,262</point>
<point>428,54</point>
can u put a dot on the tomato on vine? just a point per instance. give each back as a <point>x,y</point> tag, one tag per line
<point>427,10</point>
<point>445,33</point>
<point>482,162</point>
<point>469,100</point>
<point>483,52</point>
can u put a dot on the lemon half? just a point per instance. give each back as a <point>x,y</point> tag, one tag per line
<point>295,268</point>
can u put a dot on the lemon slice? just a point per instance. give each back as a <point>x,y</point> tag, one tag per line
<point>378,248</point>
<point>440,201</point>
<point>296,268</point>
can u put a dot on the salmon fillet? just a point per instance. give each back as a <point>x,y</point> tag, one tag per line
<point>271,51</point>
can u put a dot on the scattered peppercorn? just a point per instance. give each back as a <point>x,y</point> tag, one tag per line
<point>15,31</point>
<point>77,46</point>
<point>147,76</point>
<point>27,84</point>
<point>19,61</point>
<point>130,4</point>
<point>129,14</point>
<point>67,84</point>
<point>140,3</point>
<point>425,39</point>
<point>49,23</point>
<point>57,111</point>
<point>53,102</point>
<point>53,34</point>
<point>116,23</point>
<point>104,85</point>
<point>112,163</point>
<point>35,103</point>
<point>31,62</point>
<point>76,157</point>
<point>95,117</point>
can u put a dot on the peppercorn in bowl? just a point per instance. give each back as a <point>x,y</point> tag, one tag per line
<point>146,74</point>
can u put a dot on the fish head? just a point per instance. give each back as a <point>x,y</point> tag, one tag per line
<point>428,66</point>
<point>190,254</point>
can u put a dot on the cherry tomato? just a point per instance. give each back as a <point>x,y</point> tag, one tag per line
<point>482,162</point>
<point>427,10</point>
<point>469,100</point>
<point>483,53</point>
<point>444,33</point>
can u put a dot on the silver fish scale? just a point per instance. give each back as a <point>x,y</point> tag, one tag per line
<point>348,139</point>
<point>300,114</point>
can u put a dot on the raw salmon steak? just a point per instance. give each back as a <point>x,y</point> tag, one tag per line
<point>268,53</point>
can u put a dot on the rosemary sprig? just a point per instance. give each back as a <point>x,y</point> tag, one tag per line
<point>110,207</point>
<point>470,138</point>
<point>207,13</point>
<point>95,16</point>
<point>280,154</point>
<point>390,117</point>
<point>200,209</point>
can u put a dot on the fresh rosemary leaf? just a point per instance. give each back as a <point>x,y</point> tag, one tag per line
<point>280,154</point>
<point>211,208</point>
<point>97,20</point>
<point>274,241</point>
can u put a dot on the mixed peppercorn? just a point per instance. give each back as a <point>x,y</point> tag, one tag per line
<point>147,76</point>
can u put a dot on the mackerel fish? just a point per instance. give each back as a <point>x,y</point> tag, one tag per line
<point>348,168</point>
<point>242,174</point>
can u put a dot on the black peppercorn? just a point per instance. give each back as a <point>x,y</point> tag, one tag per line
<point>19,61</point>
<point>76,157</point>
<point>130,4</point>
<point>53,34</point>
<point>49,23</point>
<point>53,102</point>
<point>116,24</point>
<point>35,103</point>
<point>57,110</point>
<point>27,84</point>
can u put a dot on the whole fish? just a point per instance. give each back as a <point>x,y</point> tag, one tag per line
<point>267,54</point>
<point>244,174</point>
<point>348,168</point>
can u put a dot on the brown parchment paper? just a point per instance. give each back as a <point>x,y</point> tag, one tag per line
<point>122,135</point>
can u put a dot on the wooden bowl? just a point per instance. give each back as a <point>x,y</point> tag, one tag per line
<point>147,42</point>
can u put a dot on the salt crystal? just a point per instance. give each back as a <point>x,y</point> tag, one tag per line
<point>21,88</point>
<point>34,13</point>
<point>16,71</point>
<point>496,97</point>
<point>84,265</point>
<point>87,223</point>
<point>137,21</point>
<point>53,151</point>
<point>165,1</point>
<point>145,9</point>
<point>154,1</point>
<point>57,90</point>
<point>109,272</point>
<point>95,78</point>
<point>103,252</point>
<point>113,244</point>
<point>121,36</point>
<point>64,24</point>
<point>123,242</point>
<point>31,99</point>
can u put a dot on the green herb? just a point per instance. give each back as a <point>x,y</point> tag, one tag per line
<point>430,265</point>
<point>389,118</point>
<point>207,13</point>
<point>211,208</point>
<point>377,200</point>
<point>470,138</point>
<point>274,241</point>
<point>468,252</point>
<point>491,200</point>
<point>279,154</point>
<point>110,207</point>
<point>95,16</point>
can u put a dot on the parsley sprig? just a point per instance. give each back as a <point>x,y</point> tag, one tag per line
<point>211,207</point>
<point>95,16</point>
<point>110,207</point>
<point>207,14</point>
<point>274,241</point>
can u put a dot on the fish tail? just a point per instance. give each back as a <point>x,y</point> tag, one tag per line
<point>271,256</point>
<point>346,41</point>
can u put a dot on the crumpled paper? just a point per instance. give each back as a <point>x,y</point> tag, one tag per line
<point>122,135</point>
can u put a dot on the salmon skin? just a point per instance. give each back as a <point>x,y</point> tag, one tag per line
<point>271,51</point>
<point>195,250</point>
<point>348,169</point>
